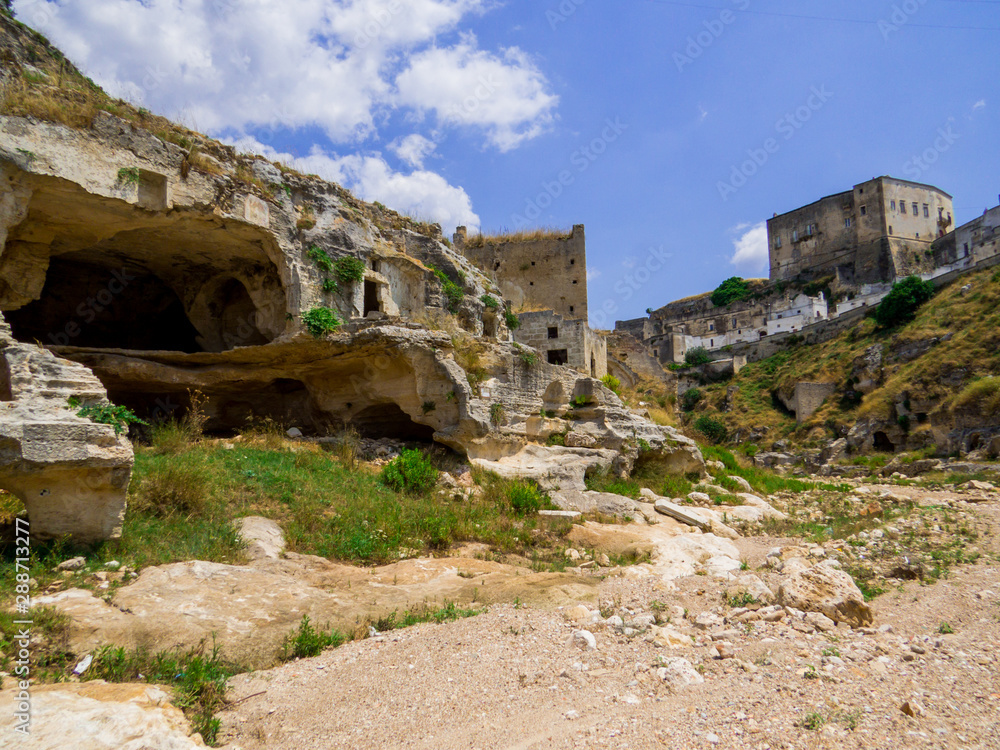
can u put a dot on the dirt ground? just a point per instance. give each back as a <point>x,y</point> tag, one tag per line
<point>925,674</point>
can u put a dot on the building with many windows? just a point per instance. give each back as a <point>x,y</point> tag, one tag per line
<point>880,230</point>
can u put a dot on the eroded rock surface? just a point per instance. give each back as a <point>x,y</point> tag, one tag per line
<point>71,474</point>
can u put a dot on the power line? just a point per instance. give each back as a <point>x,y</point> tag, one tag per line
<point>909,24</point>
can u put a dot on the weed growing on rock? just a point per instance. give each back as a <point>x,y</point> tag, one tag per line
<point>129,176</point>
<point>449,612</point>
<point>612,384</point>
<point>348,270</point>
<point>119,417</point>
<point>490,302</point>
<point>513,322</point>
<point>498,414</point>
<point>320,321</point>
<point>319,256</point>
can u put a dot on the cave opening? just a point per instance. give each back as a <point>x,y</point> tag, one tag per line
<point>371,298</point>
<point>92,305</point>
<point>389,421</point>
<point>882,443</point>
<point>229,409</point>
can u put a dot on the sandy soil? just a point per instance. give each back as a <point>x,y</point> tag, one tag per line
<point>513,678</point>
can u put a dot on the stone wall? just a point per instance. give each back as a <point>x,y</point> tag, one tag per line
<point>878,231</point>
<point>561,341</point>
<point>546,272</point>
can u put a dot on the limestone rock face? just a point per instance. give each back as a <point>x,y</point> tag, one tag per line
<point>96,715</point>
<point>828,591</point>
<point>71,474</point>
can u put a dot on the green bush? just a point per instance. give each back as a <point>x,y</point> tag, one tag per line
<point>348,270</point>
<point>119,417</point>
<point>690,399</point>
<point>711,428</point>
<point>409,472</point>
<point>612,383</point>
<point>320,321</point>
<point>319,256</point>
<point>900,305</point>
<point>306,641</point>
<point>525,497</point>
<point>452,291</point>
<point>513,322</point>
<point>498,414</point>
<point>490,302</point>
<point>697,356</point>
<point>731,290</point>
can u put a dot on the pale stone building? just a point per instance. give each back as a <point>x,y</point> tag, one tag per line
<point>880,230</point>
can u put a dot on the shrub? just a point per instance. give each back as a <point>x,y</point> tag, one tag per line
<point>697,356</point>
<point>119,417</point>
<point>900,305</point>
<point>319,256</point>
<point>452,291</point>
<point>409,472</point>
<point>524,497</point>
<point>307,219</point>
<point>490,302</point>
<point>612,383</point>
<point>711,428</point>
<point>320,321</point>
<point>513,322</point>
<point>528,357</point>
<point>690,399</point>
<point>498,414</point>
<point>329,285</point>
<point>349,270</point>
<point>129,176</point>
<point>306,641</point>
<point>731,290</point>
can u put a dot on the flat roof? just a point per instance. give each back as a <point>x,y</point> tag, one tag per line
<point>851,192</point>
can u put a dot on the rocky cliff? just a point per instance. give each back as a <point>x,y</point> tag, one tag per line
<point>167,263</point>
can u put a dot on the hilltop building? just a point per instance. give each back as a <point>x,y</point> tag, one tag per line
<point>879,231</point>
<point>544,277</point>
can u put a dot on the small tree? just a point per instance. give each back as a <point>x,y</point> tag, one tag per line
<point>690,399</point>
<point>900,305</point>
<point>697,356</point>
<point>713,429</point>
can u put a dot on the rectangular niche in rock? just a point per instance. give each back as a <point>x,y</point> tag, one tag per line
<point>152,192</point>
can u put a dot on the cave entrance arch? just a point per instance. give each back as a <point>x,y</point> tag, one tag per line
<point>102,306</point>
<point>235,316</point>
<point>882,443</point>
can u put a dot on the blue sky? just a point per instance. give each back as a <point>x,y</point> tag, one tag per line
<point>670,129</point>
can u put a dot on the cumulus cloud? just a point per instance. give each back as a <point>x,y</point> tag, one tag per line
<point>750,248</point>
<point>979,105</point>
<point>340,65</point>
<point>424,195</point>
<point>413,149</point>
<point>504,95</point>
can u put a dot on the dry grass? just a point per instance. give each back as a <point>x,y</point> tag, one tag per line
<point>520,235</point>
<point>982,396</point>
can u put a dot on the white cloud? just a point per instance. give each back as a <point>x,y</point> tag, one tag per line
<point>979,105</point>
<point>424,195</point>
<point>593,273</point>
<point>504,95</point>
<point>413,149</point>
<point>750,248</point>
<point>340,65</point>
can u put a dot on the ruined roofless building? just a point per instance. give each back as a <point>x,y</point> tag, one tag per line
<point>880,230</point>
<point>544,277</point>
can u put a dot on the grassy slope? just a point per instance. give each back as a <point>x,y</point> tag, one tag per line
<point>972,319</point>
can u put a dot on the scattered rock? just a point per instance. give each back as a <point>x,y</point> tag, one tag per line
<point>585,640</point>
<point>264,538</point>
<point>828,591</point>
<point>679,673</point>
<point>74,563</point>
